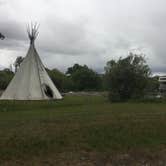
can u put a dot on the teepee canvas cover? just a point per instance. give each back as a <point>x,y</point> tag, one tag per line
<point>31,81</point>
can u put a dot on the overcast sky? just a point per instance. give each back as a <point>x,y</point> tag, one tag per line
<point>85,31</point>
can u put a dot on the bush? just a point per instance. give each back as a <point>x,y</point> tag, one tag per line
<point>127,78</point>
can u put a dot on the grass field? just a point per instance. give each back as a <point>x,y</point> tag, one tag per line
<point>82,130</point>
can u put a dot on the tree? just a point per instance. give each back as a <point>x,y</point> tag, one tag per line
<point>84,78</point>
<point>57,77</point>
<point>153,85</point>
<point>127,78</point>
<point>62,82</point>
<point>2,37</point>
<point>5,77</point>
<point>75,68</point>
<point>18,62</point>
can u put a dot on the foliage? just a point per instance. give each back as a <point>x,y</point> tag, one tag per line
<point>18,62</point>
<point>80,78</point>
<point>153,85</point>
<point>5,77</point>
<point>84,78</point>
<point>127,78</point>
<point>2,37</point>
<point>62,82</point>
<point>75,68</point>
<point>77,78</point>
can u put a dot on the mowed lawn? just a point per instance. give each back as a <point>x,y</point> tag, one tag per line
<point>81,130</point>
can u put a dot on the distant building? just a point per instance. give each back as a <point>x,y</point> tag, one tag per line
<point>162,87</point>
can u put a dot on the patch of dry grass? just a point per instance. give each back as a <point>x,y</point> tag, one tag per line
<point>85,130</point>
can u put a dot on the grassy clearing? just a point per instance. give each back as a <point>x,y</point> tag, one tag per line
<point>64,131</point>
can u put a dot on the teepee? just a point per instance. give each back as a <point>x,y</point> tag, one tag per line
<point>31,81</point>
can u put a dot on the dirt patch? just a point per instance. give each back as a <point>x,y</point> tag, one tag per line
<point>84,93</point>
<point>139,158</point>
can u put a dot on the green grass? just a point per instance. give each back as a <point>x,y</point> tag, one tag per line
<point>79,124</point>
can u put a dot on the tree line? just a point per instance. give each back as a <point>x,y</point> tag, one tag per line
<point>76,78</point>
<point>124,79</point>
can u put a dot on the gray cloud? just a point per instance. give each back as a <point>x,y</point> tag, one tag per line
<point>2,2</point>
<point>85,32</point>
<point>12,30</point>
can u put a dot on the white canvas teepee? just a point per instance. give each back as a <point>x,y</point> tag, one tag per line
<point>31,81</point>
